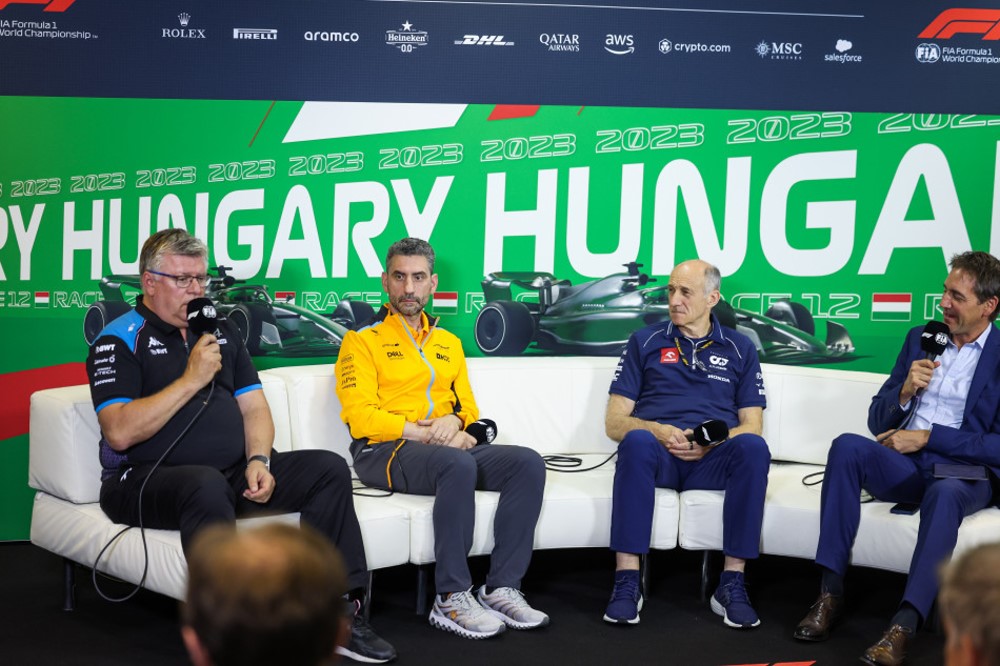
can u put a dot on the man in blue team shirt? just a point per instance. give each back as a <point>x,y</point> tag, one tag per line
<point>198,406</point>
<point>672,377</point>
<point>927,412</point>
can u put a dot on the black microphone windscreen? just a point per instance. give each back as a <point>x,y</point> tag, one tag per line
<point>484,430</point>
<point>710,432</point>
<point>201,317</point>
<point>934,338</point>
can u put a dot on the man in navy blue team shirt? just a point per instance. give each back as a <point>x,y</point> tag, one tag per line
<point>186,429</point>
<point>672,377</point>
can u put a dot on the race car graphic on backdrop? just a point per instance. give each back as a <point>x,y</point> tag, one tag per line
<point>596,318</point>
<point>269,327</point>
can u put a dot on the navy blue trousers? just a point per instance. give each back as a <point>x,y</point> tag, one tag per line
<point>857,462</point>
<point>739,467</point>
<point>452,476</point>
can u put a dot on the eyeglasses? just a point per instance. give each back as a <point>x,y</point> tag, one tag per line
<point>184,281</point>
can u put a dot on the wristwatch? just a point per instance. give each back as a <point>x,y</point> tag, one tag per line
<point>264,459</point>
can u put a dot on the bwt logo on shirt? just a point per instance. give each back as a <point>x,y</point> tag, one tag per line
<point>670,355</point>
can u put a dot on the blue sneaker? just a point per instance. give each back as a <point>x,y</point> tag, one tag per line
<point>626,599</point>
<point>732,603</point>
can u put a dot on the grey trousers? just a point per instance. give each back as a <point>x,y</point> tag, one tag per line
<point>452,476</point>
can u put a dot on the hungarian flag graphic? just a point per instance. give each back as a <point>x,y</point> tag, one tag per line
<point>445,302</point>
<point>891,307</point>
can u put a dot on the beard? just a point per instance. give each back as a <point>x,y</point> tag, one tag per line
<point>409,305</point>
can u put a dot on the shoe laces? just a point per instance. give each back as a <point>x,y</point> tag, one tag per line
<point>737,592</point>
<point>466,602</point>
<point>625,588</point>
<point>509,594</point>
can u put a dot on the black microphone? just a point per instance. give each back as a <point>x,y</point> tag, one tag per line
<point>202,318</point>
<point>484,430</point>
<point>709,433</point>
<point>934,339</point>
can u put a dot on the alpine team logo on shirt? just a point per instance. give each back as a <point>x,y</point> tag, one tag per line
<point>670,355</point>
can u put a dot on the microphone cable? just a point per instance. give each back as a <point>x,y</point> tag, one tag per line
<point>571,464</point>
<point>142,529</point>
<point>816,478</point>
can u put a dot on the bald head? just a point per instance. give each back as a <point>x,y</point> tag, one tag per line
<point>694,290</point>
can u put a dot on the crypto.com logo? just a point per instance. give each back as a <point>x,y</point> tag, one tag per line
<point>50,5</point>
<point>951,22</point>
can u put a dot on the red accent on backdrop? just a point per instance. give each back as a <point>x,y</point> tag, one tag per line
<point>17,387</point>
<point>508,111</point>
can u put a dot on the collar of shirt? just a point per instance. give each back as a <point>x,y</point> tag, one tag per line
<point>944,400</point>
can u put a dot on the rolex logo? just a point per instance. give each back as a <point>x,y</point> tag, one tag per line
<point>184,18</point>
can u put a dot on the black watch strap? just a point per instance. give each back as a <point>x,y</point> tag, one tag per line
<point>264,459</point>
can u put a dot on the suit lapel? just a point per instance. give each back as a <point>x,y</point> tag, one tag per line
<point>985,369</point>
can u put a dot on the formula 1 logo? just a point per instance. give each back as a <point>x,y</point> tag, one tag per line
<point>957,21</point>
<point>50,5</point>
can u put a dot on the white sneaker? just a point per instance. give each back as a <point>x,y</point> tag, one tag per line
<point>508,605</point>
<point>461,614</point>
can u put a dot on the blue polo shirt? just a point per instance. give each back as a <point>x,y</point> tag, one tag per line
<point>673,379</point>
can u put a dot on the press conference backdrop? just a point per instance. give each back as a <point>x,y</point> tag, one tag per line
<point>829,157</point>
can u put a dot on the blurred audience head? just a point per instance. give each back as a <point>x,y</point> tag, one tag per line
<point>267,595</point>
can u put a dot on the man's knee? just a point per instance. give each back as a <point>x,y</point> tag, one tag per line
<point>206,490</point>
<point>846,448</point>
<point>637,445</point>
<point>528,463</point>
<point>753,450</point>
<point>327,462</point>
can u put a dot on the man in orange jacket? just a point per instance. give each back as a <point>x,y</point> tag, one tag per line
<point>405,394</point>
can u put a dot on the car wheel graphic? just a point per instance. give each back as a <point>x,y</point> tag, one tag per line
<point>248,320</point>
<point>99,315</point>
<point>504,328</point>
<point>793,314</point>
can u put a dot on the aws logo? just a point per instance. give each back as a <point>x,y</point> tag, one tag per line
<point>619,44</point>
<point>957,21</point>
<point>50,5</point>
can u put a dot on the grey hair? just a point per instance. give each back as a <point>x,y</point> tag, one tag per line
<point>713,278</point>
<point>170,242</point>
<point>411,247</point>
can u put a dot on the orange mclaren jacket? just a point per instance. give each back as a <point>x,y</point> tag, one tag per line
<point>388,374</point>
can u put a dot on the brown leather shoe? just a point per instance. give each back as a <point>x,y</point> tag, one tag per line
<point>815,626</point>
<point>890,649</point>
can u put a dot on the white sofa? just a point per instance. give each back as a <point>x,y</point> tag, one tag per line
<point>553,404</point>
<point>66,518</point>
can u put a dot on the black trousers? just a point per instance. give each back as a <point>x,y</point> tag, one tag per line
<point>188,497</point>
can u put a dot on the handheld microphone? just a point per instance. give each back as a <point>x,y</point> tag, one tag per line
<point>484,430</point>
<point>934,339</point>
<point>202,318</point>
<point>709,433</point>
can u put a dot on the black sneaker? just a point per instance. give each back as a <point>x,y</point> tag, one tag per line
<point>365,645</point>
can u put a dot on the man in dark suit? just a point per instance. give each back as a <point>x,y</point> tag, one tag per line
<point>927,412</point>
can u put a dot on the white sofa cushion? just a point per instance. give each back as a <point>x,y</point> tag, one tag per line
<point>64,436</point>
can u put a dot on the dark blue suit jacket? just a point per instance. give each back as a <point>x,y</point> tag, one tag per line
<point>977,440</point>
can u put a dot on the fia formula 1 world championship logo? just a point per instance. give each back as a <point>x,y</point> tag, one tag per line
<point>50,5</point>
